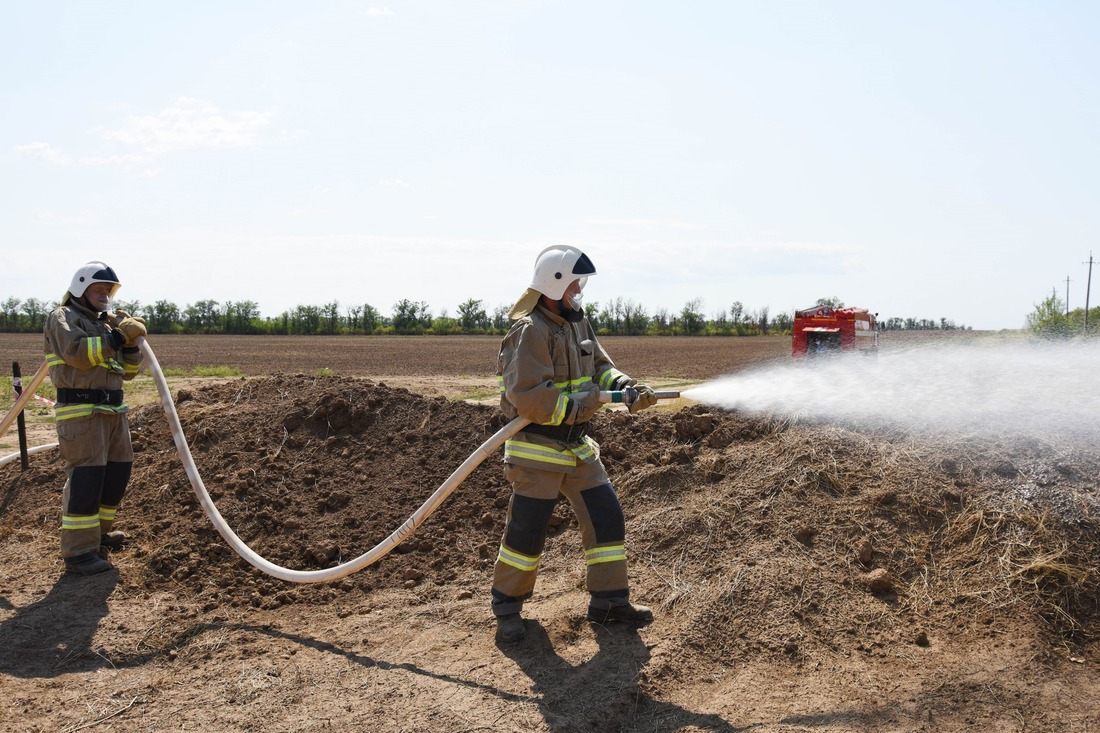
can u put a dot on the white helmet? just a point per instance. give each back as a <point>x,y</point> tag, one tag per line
<point>557,267</point>
<point>93,272</point>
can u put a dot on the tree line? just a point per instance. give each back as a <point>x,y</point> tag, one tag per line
<point>616,317</point>
<point>1052,319</point>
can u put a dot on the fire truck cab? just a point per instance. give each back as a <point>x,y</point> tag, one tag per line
<point>822,331</point>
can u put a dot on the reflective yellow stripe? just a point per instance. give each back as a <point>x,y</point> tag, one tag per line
<point>540,453</point>
<point>597,555</point>
<point>573,385</point>
<point>525,563</point>
<point>95,351</point>
<point>54,360</point>
<point>609,377</point>
<point>587,451</point>
<point>68,412</point>
<point>81,522</point>
<point>559,411</point>
<point>107,513</point>
<point>132,368</point>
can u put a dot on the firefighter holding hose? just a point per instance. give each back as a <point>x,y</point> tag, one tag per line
<point>90,352</point>
<point>551,369</point>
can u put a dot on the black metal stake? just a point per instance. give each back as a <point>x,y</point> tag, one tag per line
<point>17,384</point>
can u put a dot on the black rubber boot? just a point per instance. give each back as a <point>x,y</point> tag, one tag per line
<point>90,563</point>
<point>626,613</point>
<point>510,628</point>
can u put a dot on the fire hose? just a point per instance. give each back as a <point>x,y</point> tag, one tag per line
<point>305,576</point>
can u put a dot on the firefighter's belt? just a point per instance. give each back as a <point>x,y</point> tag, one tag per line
<point>71,396</point>
<point>564,433</point>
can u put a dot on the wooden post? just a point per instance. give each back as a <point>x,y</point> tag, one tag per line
<point>17,384</point>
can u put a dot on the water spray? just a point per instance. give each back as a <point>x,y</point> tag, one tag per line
<point>991,387</point>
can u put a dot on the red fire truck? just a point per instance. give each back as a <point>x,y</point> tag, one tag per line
<point>821,331</point>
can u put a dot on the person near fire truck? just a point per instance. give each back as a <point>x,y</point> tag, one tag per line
<point>551,369</point>
<point>90,351</point>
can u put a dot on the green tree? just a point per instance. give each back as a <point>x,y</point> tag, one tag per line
<point>241,317</point>
<point>305,320</point>
<point>372,319</point>
<point>330,315</point>
<point>737,312</point>
<point>164,317</point>
<point>500,318</point>
<point>408,317</point>
<point>133,307</point>
<point>202,317</point>
<point>472,317</point>
<point>36,313</point>
<point>1049,319</point>
<point>635,319</point>
<point>834,303</point>
<point>762,321</point>
<point>10,311</point>
<point>692,322</point>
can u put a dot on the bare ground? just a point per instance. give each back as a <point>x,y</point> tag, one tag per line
<point>805,577</point>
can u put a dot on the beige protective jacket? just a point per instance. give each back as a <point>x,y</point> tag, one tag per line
<point>542,360</point>
<point>80,356</point>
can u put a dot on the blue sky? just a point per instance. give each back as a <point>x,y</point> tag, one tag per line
<point>930,160</point>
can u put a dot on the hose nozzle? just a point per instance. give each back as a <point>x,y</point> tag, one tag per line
<point>628,395</point>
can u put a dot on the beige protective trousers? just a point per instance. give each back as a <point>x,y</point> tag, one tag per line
<point>534,495</point>
<point>98,457</point>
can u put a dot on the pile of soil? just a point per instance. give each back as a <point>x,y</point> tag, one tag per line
<point>804,576</point>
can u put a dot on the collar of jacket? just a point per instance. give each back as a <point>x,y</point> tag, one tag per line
<point>555,317</point>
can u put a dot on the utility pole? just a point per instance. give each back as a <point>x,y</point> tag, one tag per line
<point>1067,295</point>
<point>1088,287</point>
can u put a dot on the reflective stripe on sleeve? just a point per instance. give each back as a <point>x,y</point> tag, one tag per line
<point>609,378</point>
<point>95,351</point>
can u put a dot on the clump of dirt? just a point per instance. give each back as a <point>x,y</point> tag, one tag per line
<point>758,540</point>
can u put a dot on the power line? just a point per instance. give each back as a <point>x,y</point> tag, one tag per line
<point>1088,287</point>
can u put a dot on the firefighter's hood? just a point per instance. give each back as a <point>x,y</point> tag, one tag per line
<point>525,304</point>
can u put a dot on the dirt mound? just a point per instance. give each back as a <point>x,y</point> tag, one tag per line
<point>759,541</point>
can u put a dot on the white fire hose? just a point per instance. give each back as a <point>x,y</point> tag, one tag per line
<point>301,576</point>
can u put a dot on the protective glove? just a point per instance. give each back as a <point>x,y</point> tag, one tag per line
<point>119,315</point>
<point>132,329</point>
<point>583,405</point>
<point>646,397</point>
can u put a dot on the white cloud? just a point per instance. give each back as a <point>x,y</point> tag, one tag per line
<point>44,151</point>
<point>379,12</point>
<point>646,223</point>
<point>192,124</point>
<point>115,160</point>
